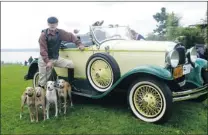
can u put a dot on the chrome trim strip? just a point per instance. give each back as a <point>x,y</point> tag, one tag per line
<point>189,96</point>
<point>181,93</point>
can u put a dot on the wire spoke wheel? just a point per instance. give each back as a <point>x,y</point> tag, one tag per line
<point>36,79</point>
<point>101,73</point>
<point>148,101</point>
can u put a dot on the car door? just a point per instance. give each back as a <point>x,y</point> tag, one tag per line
<point>79,58</point>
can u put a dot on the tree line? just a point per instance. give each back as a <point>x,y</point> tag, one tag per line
<point>169,28</point>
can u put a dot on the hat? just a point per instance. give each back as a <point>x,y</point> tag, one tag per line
<point>52,20</point>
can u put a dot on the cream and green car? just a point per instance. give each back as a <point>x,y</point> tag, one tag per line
<point>155,73</point>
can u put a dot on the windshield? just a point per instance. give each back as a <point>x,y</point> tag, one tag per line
<point>107,33</point>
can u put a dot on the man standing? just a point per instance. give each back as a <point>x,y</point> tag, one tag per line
<point>49,41</point>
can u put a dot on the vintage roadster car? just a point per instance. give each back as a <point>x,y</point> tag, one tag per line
<point>155,73</point>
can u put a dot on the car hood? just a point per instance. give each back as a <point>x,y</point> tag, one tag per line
<point>139,45</point>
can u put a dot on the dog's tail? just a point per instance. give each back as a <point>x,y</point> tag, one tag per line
<point>23,102</point>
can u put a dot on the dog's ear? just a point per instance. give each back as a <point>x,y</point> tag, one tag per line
<point>37,94</point>
<point>26,90</point>
<point>54,84</point>
<point>33,90</point>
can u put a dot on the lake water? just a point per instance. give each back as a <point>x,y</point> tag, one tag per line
<point>14,57</point>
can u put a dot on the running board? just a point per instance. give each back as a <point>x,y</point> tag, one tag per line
<point>81,94</point>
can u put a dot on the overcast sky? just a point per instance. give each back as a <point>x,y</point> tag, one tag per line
<point>22,22</point>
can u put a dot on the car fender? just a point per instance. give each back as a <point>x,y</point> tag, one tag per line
<point>153,70</point>
<point>195,76</point>
<point>202,63</point>
<point>33,68</point>
<point>157,71</point>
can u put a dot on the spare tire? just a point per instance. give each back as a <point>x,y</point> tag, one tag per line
<point>102,71</point>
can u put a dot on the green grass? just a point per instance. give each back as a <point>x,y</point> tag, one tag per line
<point>110,115</point>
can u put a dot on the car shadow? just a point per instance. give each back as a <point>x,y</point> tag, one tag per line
<point>181,111</point>
<point>116,99</point>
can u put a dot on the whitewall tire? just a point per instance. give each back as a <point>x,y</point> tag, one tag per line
<point>150,100</point>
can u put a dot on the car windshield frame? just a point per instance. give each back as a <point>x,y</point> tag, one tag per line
<point>98,42</point>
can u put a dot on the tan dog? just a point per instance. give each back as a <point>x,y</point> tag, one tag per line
<point>28,97</point>
<point>64,90</point>
<point>40,101</point>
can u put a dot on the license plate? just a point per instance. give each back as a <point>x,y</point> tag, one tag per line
<point>186,69</point>
<point>181,70</point>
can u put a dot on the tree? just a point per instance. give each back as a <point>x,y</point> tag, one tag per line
<point>161,19</point>
<point>173,23</point>
<point>154,37</point>
<point>206,29</point>
<point>190,36</point>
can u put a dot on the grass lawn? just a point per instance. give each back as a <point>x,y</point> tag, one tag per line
<point>110,115</point>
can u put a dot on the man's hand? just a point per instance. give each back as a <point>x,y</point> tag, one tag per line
<point>49,64</point>
<point>81,47</point>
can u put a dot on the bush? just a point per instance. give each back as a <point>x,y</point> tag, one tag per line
<point>190,36</point>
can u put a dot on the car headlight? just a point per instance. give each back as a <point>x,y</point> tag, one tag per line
<point>192,55</point>
<point>173,58</point>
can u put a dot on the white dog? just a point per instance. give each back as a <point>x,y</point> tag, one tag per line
<point>51,97</point>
